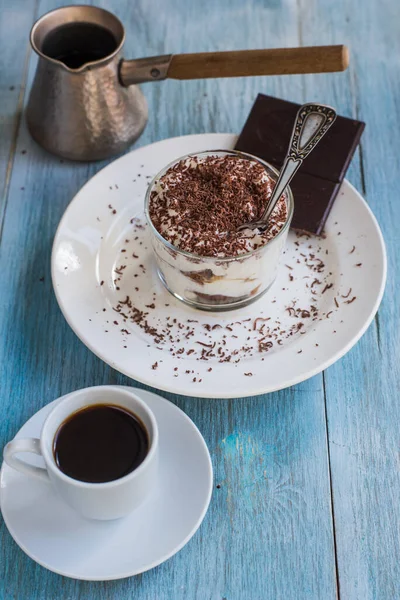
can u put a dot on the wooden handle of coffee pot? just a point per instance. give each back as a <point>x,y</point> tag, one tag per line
<point>236,63</point>
<point>242,63</point>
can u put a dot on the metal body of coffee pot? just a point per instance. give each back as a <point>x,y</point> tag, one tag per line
<point>84,113</point>
<point>84,102</point>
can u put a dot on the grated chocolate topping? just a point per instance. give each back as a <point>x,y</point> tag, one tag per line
<point>198,204</point>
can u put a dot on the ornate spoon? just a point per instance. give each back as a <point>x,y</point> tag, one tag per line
<point>312,122</point>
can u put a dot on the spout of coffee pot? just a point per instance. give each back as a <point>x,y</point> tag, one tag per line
<point>236,63</point>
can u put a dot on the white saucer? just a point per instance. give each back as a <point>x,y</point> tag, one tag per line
<point>90,244</point>
<point>57,538</point>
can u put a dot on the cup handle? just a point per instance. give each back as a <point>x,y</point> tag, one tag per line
<point>24,445</point>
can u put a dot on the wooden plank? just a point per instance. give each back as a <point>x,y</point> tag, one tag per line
<point>14,54</point>
<point>362,389</point>
<point>268,533</point>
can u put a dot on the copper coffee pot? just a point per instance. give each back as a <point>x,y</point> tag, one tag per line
<point>85,103</point>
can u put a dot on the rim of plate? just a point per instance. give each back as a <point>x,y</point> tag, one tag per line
<point>155,563</point>
<point>255,391</point>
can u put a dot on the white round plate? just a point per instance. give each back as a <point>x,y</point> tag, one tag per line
<point>57,538</point>
<point>101,255</point>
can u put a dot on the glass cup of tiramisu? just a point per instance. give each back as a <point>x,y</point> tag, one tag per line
<point>194,207</point>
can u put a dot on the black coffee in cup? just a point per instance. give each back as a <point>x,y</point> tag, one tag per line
<point>100,443</point>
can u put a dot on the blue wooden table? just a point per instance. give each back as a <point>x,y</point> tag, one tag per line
<point>307,486</point>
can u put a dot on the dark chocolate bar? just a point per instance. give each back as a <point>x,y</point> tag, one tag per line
<point>266,134</point>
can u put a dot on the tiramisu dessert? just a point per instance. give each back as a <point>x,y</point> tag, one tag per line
<point>194,208</point>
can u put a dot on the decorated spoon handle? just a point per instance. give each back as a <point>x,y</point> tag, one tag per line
<point>312,123</point>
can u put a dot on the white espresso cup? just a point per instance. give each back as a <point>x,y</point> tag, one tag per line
<point>104,501</point>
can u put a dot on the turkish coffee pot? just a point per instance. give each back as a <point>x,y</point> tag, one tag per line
<point>85,103</point>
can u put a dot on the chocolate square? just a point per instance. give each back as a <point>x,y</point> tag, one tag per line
<point>266,134</point>
<point>313,200</point>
